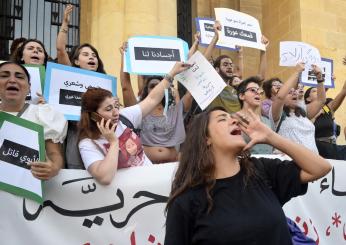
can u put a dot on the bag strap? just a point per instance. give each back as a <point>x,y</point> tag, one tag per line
<point>283,116</point>
<point>20,113</point>
<point>129,124</point>
<point>98,147</point>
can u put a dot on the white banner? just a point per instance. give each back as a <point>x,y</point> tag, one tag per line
<point>154,55</point>
<point>130,211</point>
<point>239,29</point>
<point>321,213</point>
<point>309,79</point>
<point>292,52</point>
<point>206,28</point>
<point>202,81</point>
<point>64,86</point>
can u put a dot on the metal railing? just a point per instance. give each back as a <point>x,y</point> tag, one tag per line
<point>40,19</point>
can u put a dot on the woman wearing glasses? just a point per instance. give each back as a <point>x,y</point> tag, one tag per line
<point>291,120</point>
<point>271,88</point>
<point>249,95</point>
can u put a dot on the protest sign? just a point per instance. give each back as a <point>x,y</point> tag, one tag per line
<point>131,209</point>
<point>239,29</point>
<point>21,142</point>
<point>309,79</point>
<point>201,80</point>
<point>206,29</point>
<point>64,86</point>
<point>292,52</point>
<point>154,55</point>
<point>37,76</point>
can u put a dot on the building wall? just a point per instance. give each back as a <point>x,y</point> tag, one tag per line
<point>317,22</point>
<point>323,26</point>
<point>107,23</point>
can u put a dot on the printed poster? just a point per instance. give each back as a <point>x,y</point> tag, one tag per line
<point>239,29</point>
<point>65,85</point>
<point>154,55</point>
<point>21,142</point>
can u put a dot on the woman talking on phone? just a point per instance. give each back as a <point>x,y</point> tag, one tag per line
<point>106,143</point>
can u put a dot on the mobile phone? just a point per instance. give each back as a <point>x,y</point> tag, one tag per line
<point>97,118</point>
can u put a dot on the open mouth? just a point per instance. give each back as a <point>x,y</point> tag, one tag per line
<point>35,58</point>
<point>236,131</point>
<point>12,88</point>
<point>91,63</point>
<point>257,98</point>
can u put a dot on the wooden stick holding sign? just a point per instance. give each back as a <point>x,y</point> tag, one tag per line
<point>239,29</point>
<point>202,81</point>
<point>21,142</point>
<point>65,85</point>
<point>154,55</point>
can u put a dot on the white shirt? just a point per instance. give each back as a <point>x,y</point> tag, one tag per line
<point>131,151</point>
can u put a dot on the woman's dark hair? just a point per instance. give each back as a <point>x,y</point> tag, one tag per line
<point>307,95</point>
<point>18,58</point>
<point>75,56</point>
<point>91,100</point>
<point>241,89</point>
<point>20,65</point>
<point>197,163</point>
<point>145,91</point>
<point>15,45</point>
<point>298,111</point>
<point>147,80</point>
<point>267,86</point>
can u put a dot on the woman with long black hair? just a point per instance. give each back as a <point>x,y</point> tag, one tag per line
<point>222,196</point>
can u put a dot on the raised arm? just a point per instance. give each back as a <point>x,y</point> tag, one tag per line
<point>312,165</point>
<point>240,66</point>
<point>125,80</point>
<point>209,51</point>
<point>279,99</point>
<point>335,104</point>
<point>194,46</point>
<point>314,107</point>
<point>263,59</point>
<point>156,95</point>
<point>61,40</point>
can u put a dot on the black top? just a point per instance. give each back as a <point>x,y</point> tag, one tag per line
<point>324,123</point>
<point>250,214</point>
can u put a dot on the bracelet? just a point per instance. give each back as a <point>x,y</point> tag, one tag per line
<point>170,79</point>
<point>63,30</point>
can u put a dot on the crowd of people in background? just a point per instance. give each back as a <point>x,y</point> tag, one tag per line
<point>255,115</point>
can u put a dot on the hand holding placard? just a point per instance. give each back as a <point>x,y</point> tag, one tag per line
<point>201,80</point>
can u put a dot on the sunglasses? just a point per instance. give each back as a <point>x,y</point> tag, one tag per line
<point>254,90</point>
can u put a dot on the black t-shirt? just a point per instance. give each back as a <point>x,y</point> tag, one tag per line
<point>243,215</point>
<point>324,123</point>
